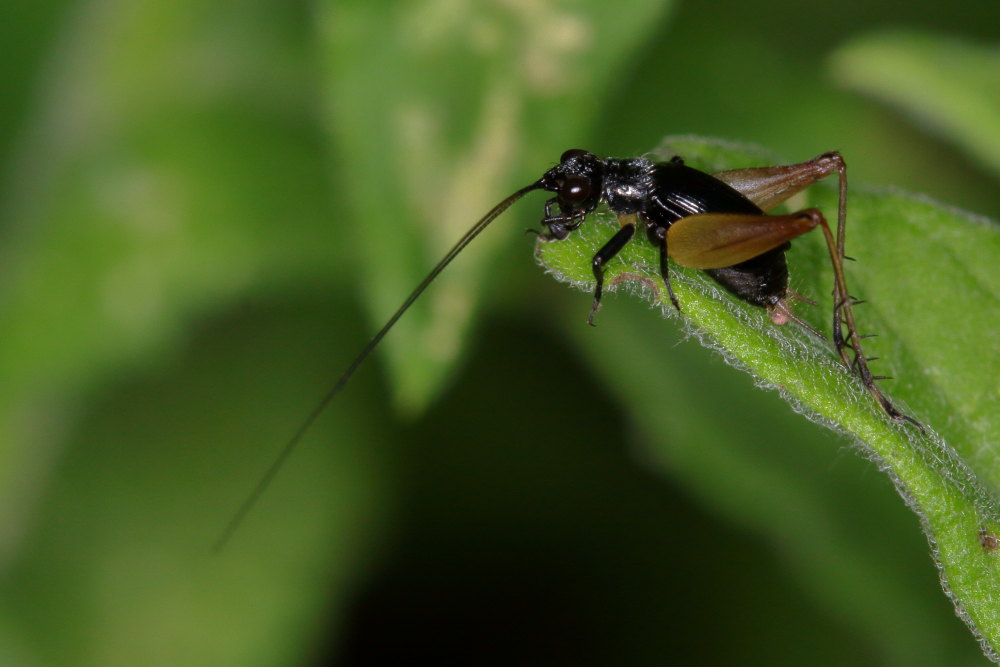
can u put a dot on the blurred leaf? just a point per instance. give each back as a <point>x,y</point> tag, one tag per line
<point>431,124</point>
<point>175,161</point>
<point>947,84</point>
<point>927,346</point>
<point>138,203</point>
<point>119,568</point>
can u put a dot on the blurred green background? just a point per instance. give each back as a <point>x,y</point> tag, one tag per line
<point>207,207</point>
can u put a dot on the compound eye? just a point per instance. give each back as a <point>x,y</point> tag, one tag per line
<point>575,189</point>
<point>572,153</point>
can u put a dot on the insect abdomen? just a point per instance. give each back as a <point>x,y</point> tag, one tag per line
<point>681,191</point>
<point>762,281</point>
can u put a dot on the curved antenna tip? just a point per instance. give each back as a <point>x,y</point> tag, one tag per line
<point>265,481</point>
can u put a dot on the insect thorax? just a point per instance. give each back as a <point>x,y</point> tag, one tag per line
<point>627,184</point>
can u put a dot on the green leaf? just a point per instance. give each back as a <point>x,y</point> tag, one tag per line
<point>173,164</point>
<point>431,125</point>
<point>926,273</point>
<point>947,84</point>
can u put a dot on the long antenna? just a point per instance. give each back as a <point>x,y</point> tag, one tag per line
<point>286,451</point>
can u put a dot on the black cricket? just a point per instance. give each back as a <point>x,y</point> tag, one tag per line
<point>713,222</point>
